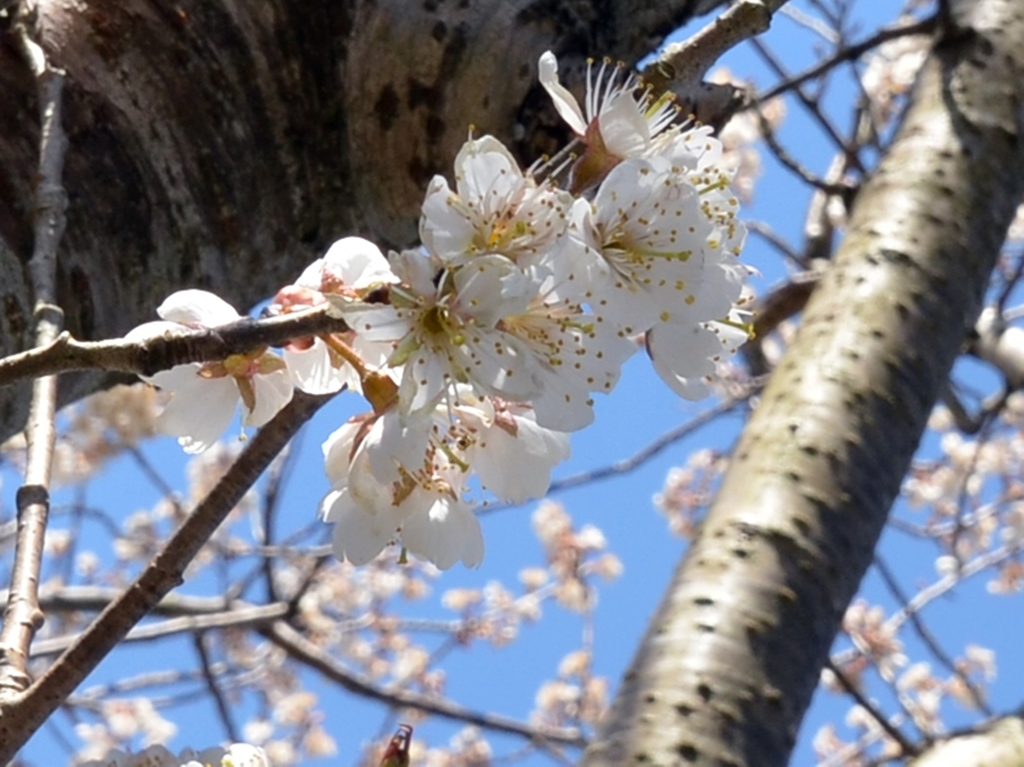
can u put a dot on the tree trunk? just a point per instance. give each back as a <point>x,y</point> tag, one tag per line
<point>223,145</point>
<point>733,654</point>
<point>1001,745</point>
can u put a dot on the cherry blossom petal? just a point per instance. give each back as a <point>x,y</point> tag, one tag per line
<point>312,371</point>
<point>197,308</point>
<point>686,356</point>
<point>273,391</point>
<point>358,536</point>
<point>200,409</point>
<point>445,533</point>
<point>566,104</point>
<point>518,467</point>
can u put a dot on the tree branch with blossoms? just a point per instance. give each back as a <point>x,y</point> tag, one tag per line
<point>21,715</point>
<point>308,653</point>
<point>477,354</point>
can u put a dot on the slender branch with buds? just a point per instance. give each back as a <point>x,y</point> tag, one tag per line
<point>22,616</point>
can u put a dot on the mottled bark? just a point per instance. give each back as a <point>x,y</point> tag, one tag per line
<point>222,145</point>
<point>733,654</point>
<point>1001,745</point>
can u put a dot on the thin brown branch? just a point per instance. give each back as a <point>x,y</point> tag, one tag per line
<point>223,709</point>
<point>279,471</point>
<point>908,748</point>
<point>306,652</point>
<point>812,105</point>
<point>926,636</point>
<point>151,355</point>
<point>829,188</point>
<point>22,616</point>
<point>849,53</point>
<point>23,714</point>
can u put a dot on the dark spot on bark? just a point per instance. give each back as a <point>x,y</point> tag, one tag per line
<point>420,94</point>
<point>419,172</point>
<point>687,752</point>
<point>453,52</point>
<point>683,710</point>
<point>82,301</point>
<point>430,5</point>
<point>440,31</point>
<point>15,320</point>
<point>435,129</point>
<point>704,691</point>
<point>463,3</point>
<point>386,107</point>
<point>486,102</point>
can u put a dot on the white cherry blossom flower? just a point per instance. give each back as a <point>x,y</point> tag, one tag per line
<point>366,461</point>
<point>405,479</point>
<point>234,755</point>
<point>503,444</point>
<point>390,484</point>
<point>444,529</point>
<point>573,352</point>
<point>686,356</point>
<point>495,208</point>
<point>649,232</point>
<point>205,396</point>
<point>616,121</point>
<point>444,326</point>
<point>351,267</point>
<point>699,156</point>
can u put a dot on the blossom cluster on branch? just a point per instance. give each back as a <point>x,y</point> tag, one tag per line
<point>234,755</point>
<point>479,351</point>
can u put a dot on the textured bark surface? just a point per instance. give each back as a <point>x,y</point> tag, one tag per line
<point>1002,745</point>
<point>223,145</point>
<point>731,658</point>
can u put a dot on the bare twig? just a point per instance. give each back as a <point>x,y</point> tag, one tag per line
<point>22,616</point>
<point>849,53</point>
<point>926,636</point>
<point>151,355</point>
<point>908,748</point>
<point>306,652</point>
<point>223,709</point>
<point>23,714</point>
<point>812,105</point>
<point>794,165</point>
<point>279,472</point>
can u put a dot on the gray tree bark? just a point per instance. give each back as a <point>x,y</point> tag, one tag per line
<point>732,656</point>
<point>1001,745</point>
<point>224,145</point>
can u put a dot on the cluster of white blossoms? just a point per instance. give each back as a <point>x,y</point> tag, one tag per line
<point>234,755</point>
<point>481,350</point>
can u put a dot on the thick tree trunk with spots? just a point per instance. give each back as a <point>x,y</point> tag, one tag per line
<point>729,663</point>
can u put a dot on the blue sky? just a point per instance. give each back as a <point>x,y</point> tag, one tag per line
<point>505,679</point>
